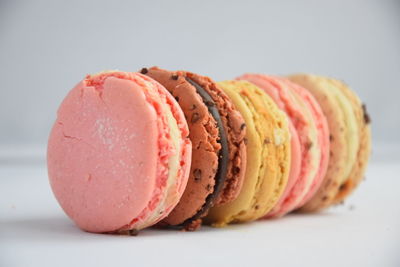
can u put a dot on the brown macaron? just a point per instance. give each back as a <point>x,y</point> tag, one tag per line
<point>217,133</point>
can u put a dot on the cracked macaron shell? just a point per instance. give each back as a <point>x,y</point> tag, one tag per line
<point>199,195</point>
<point>109,151</point>
<point>268,155</point>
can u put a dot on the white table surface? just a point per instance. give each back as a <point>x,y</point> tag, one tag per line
<point>364,232</point>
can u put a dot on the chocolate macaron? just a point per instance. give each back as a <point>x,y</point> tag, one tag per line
<point>217,132</point>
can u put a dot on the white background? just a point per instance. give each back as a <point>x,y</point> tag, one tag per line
<point>46,47</point>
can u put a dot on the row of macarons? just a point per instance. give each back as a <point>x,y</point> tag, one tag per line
<point>176,149</point>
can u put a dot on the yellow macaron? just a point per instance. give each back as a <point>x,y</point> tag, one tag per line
<point>268,155</point>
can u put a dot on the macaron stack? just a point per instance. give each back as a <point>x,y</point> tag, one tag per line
<point>175,149</point>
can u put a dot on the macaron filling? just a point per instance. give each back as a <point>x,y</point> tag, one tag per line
<point>223,155</point>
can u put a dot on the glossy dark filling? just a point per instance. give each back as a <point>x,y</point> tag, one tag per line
<point>223,156</point>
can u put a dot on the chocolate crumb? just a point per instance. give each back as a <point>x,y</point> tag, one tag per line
<point>209,103</point>
<point>193,225</point>
<point>331,138</point>
<point>309,145</point>
<point>209,187</point>
<point>144,71</point>
<point>133,232</point>
<point>242,126</point>
<point>195,117</point>
<point>257,207</point>
<point>236,170</point>
<point>174,77</point>
<point>177,98</point>
<point>197,175</point>
<point>328,183</point>
<point>267,141</point>
<point>367,118</point>
<point>342,187</point>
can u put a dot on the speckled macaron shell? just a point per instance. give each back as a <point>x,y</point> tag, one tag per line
<point>204,135</point>
<point>340,115</point>
<point>235,130</point>
<point>311,130</point>
<point>268,152</point>
<point>358,170</point>
<point>204,188</point>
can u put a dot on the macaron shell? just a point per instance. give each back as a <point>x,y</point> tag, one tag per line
<point>178,164</point>
<point>268,130</point>
<point>235,129</point>
<point>262,81</point>
<point>204,137</point>
<point>308,158</point>
<point>272,124</point>
<point>357,173</point>
<point>103,140</point>
<point>322,140</point>
<point>224,214</point>
<point>352,129</point>
<point>338,143</point>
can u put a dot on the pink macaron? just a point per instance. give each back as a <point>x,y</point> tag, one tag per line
<point>309,159</point>
<point>118,153</point>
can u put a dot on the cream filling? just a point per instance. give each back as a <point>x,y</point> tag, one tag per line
<point>173,168</point>
<point>351,130</point>
<point>314,150</point>
<point>279,136</point>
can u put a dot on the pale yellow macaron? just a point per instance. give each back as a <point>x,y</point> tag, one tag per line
<point>350,138</point>
<point>268,155</point>
<point>364,145</point>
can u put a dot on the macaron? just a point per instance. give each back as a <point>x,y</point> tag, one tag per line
<point>350,139</point>
<point>118,154</point>
<point>217,131</point>
<point>309,139</point>
<point>268,155</point>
